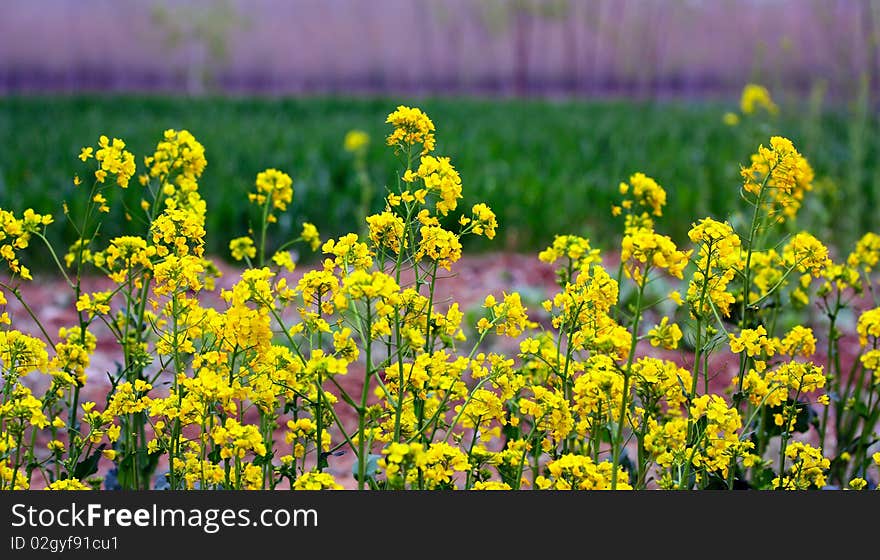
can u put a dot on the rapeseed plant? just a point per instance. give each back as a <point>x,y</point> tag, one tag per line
<point>206,390</point>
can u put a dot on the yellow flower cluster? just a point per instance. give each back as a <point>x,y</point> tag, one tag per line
<point>721,434</point>
<point>576,472</point>
<point>869,326</point>
<point>550,412</point>
<point>274,190</point>
<point>440,178</point>
<point>509,317</point>
<point>666,335</point>
<point>598,394</point>
<point>753,341</point>
<point>316,481</point>
<point>866,253</point>
<point>310,235</point>
<point>236,440</point>
<point>411,126</point>
<point>806,254</point>
<point>778,178</point>
<point>439,245</point>
<point>15,235</point>
<point>645,192</point>
<point>177,163</point>
<point>482,222</point>
<point>113,159</point>
<point>436,466</point>
<point>576,249</point>
<point>662,383</point>
<point>22,409</point>
<point>355,141</point>
<point>242,248</point>
<point>68,484</point>
<point>644,249</point>
<point>72,355</point>
<point>755,97</point>
<point>716,266</point>
<point>350,253</point>
<point>807,469</point>
<point>773,387</point>
<point>387,231</point>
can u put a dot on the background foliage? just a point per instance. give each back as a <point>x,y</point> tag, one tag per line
<point>545,167</point>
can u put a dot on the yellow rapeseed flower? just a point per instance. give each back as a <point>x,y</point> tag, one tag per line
<point>411,126</point>
<point>754,97</point>
<point>242,247</point>
<point>355,141</point>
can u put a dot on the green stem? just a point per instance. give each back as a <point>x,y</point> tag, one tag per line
<point>834,376</point>
<point>365,393</point>
<point>698,342</point>
<point>17,294</point>
<point>17,457</point>
<point>264,225</point>
<point>398,265</point>
<point>617,443</point>
<point>747,285</point>
<point>785,436</point>
<point>55,259</point>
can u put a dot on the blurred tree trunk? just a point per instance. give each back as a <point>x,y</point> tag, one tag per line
<point>521,37</point>
<point>571,65</point>
<point>594,17</point>
<point>612,55</point>
<point>652,23</point>
<point>870,37</point>
<point>427,76</point>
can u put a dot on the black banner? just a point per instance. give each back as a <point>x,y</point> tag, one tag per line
<point>168,525</point>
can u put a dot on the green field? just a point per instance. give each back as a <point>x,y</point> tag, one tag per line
<point>544,167</point>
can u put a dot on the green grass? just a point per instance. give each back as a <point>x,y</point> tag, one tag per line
<point>544,167</point>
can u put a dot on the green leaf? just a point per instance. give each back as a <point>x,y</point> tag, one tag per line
<point>147,463</point>
<point>508,474</point>
<point>861,409</point>
<point>89,465</point>
<point>214,455</point>
<point>629,467</point>
<point>804,417</point>
<point>604,434</point>
<point>266,459</point>
<point>511,432</point>
<point>763,479</point>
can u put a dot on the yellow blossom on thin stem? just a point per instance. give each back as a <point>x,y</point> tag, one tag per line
<point>778,178</point>
<point>866,253</point>
<point>273,185</point>
<point>482,222</point>
<point>114,160</point>
<point>355,141</point>
<point>644,249</point>
<point>869,326</point>
<point>576,472</point>
<point>316,481</point>
<point>440,178</point>
<point>242,247</point>
<point>387,231</point>
<point>665,334</point>
<point>438,245</point>
<point>310,235</point>
<point>754,97</point>
<point>807,469</point>
<point>411,126</point>
<point>645,192</point>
